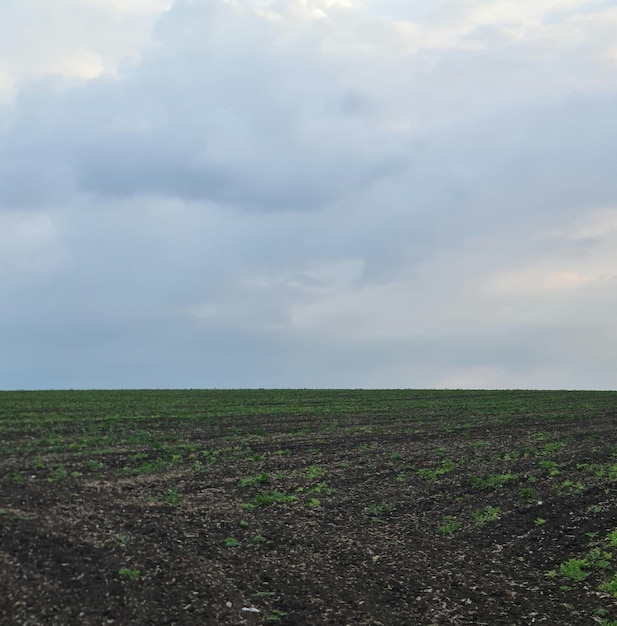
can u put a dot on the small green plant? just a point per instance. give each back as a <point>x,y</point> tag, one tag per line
<point>210,456</point>
<point>129,574</point>
<point>18,478</point>
<point>610,586</point>
<point>59,473</point>
<point>488,514</point>
<point>574,569</point>
<point>266,498</point>
<point>599,559</point>
<point>495,482</point>
<point>315,503</point>
<point>551,466</point>
<point>527,493</point>
<point>314,472</point>
<point>612,472</point>
<point>260,479</point>
<point>553,446</point>
<point>258,539</point>
<point>173,498</point>
<point>275,616</point>
<point>321,487</point>
<point>450,525</point>
<point>231,542</point>
<point>611,539</point>
<point>263,594</point>
<point>378,510</point>
<point>432,474</point>
<point>569,486</point>
<point>123,539</point>
<point>539,521</point>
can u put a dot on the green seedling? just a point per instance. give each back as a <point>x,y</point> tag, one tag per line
<point>231,542</point>
<point>488,514</point>
<point>495,482</point>
<point>18,478</point>
<point>599,559</point>
<point>260,479</point>
<point>173,498</point>
<point>378,510</point>
<point>275,616</point>
<point>527,493</point>
<point>210,456</point>
<point>450,525</point>
<point>314,472</point>
<point>60,473</point>
<point>269,497</point>
<point>610,586</point>
<point>129,574</point>
<point>574,569</point>
<point>551,466</point>
<point>554,446</point>
<point>432,474</point>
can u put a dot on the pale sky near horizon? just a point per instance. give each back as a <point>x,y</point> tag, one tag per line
<point>308,193</point>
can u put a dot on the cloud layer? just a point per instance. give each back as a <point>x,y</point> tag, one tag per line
<point>310,193</point>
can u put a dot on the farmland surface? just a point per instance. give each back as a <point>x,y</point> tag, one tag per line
<point>308,507</point>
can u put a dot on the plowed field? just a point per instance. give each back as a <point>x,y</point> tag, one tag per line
<point>308,507</point>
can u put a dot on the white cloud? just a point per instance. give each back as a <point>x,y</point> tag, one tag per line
<point>72,38</point>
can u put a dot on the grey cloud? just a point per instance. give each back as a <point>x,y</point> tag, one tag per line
<point>233,109</point>
<point>378,190</point>
<point>227,123</point>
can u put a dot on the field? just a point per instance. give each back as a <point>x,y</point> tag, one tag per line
<point>308,507</point>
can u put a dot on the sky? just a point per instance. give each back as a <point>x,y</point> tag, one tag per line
<point>308,193</point>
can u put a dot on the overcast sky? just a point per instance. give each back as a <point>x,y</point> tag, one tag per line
<point>308,193</point>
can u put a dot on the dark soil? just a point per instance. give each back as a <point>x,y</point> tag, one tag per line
<point>444,516</point>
